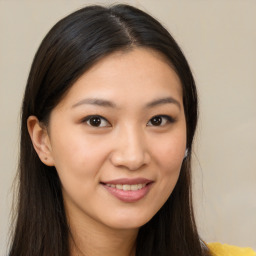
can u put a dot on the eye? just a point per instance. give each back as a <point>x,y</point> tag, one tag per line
<point>160,120</point>
<point>96,121</point>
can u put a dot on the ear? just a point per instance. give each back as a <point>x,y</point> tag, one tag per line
<point>40,139</point>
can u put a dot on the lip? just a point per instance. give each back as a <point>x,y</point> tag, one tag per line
<point>128,196</point>
<point>128,181</point>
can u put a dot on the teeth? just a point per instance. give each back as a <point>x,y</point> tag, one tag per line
<point>134,187</point>
<point>140,186</point>
<point>127,187</point>
<point>119,186</point>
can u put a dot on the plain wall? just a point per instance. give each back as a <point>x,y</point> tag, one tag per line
<point>218,38</point>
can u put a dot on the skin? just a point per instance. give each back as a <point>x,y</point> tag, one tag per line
<point>127,144</point>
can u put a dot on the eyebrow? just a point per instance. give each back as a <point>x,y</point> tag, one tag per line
<point>95,101</point>
<point>107,103</point>
<point>162,101</point>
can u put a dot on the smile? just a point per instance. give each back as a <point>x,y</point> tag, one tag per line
<point>128,190</point>
<point>127,187</point>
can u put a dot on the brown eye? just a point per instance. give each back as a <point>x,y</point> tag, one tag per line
<point>156,121</point>
<point>96,121</point>
<point>160,120</point>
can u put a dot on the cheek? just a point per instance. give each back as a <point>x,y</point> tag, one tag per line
<point>78,163</point>
<point>76,156</point>
<point>169,152</point>
<point>169,155</point>
<point>168,166</point>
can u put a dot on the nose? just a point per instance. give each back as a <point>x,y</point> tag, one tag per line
<point>130,150</point>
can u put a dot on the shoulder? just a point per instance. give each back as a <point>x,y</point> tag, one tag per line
<point>218,249</point>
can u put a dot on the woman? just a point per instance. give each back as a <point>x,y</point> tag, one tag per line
<point>108,120</point>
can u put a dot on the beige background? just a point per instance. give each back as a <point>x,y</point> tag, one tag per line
<point>219,39</point>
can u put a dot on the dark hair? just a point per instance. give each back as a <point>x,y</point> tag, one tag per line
<point>71,47</point>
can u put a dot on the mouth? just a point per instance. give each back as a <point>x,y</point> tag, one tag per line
<point>127,187</point>
<point>128,190</point>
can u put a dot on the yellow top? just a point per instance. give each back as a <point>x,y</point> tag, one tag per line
<point>218,249</point>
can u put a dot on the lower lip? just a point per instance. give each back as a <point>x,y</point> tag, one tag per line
<point>128,196</point>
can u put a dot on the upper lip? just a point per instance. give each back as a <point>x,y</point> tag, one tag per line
<point>128,181</point>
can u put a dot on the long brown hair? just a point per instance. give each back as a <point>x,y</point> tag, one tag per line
<point>71,47</point>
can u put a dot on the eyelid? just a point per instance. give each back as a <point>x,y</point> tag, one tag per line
<point>170,119</point>
<point>87,118</point>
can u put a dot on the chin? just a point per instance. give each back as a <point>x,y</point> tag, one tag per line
<point>129,222</point>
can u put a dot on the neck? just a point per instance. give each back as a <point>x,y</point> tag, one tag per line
<point>93,239</point>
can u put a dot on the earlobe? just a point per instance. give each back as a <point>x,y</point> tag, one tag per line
<point>40,140</point>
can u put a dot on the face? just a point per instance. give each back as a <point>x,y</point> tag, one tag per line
<point>117,139</point>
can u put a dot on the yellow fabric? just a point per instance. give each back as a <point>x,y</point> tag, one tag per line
<point>218,249</point>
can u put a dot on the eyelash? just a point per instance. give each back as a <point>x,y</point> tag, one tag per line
<point>88,118</point>
<point>169,119</point>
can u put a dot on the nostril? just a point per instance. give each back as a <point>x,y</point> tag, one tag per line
<point>129,158</point>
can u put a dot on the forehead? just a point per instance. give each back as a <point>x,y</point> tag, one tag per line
<point>128,76</point>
